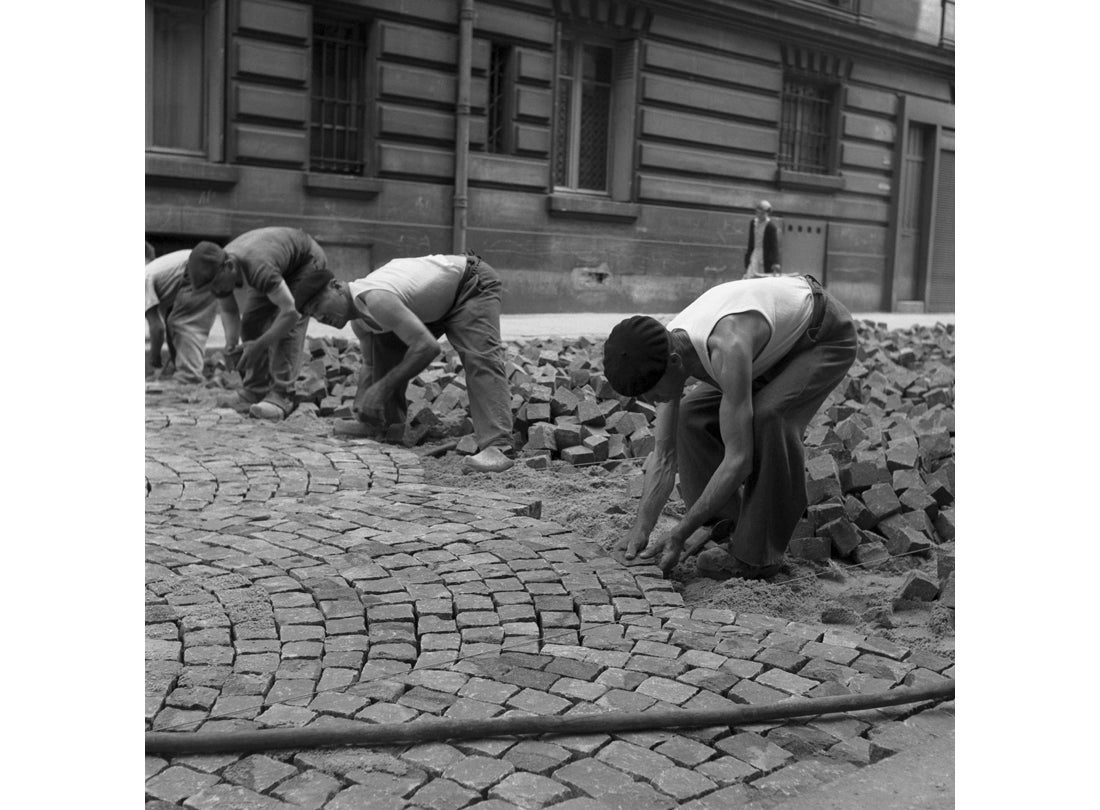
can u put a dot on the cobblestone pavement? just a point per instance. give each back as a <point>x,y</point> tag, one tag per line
<point>298,579</point>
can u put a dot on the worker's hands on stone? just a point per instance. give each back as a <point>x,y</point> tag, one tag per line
<point>667,547</point>
<point>632,543</point>
<point>251,353</point>
<point>232,357</point>
<point>370,407</point>
<point>672,549</point>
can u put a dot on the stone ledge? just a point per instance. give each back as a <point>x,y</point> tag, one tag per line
<point>580,206</point>
<point>177,171</point>
<point>817,182</point>
<point>340,185</point>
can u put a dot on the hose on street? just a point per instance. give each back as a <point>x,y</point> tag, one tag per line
<point>434,730</point>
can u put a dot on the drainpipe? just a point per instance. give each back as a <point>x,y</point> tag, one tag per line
<point>462,123</point>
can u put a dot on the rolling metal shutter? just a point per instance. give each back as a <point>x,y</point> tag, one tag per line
<point>941,287</point>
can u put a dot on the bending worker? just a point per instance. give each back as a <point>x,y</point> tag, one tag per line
<point>766,352</point>
<point>398,312</point>
<point>281,268</point>
<point>176,312</point>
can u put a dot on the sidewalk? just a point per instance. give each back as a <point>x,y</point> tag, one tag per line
<point>593,324</point>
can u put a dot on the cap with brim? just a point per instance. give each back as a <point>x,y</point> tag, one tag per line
<point>203,264</point>
<point>635,355</point>
<point>309,285</point>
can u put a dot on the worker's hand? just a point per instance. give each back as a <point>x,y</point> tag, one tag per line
<point>671,549</point>
<point>232,357</point>
<point>252,352</point>
<point>370,406</point>
<point>667,548</point>
<point>632,543</point>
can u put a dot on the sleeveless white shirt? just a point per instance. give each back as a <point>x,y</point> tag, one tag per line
<point>786,302</point>
<point>426,285</point>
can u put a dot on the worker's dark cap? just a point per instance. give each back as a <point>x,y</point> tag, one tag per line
<point>635,355</point>
<point>203,264</point>
<point>309,285</point>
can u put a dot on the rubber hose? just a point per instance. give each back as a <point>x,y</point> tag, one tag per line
<point>362,734</point>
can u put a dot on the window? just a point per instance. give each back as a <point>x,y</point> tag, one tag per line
<point>338,95</point>
<point>175,102</point>
<point>807,126</point>
<point>582,117</point>
<point>501,139</point>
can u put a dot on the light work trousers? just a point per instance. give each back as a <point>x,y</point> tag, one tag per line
<point>188,321</point>
<point>473,327</point>
<point>773,497</point>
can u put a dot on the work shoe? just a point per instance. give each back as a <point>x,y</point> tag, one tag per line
<point>273,408</point>
<point>489,460</point>
<point>717,563</point>
<point>235,400</point>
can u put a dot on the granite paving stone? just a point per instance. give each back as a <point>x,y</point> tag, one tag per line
<point>358,797</point>
<point>258,772</point>
<point>176,783</point>
<point>530,790</point>
<point>223,795</point>
<point>754,750</point>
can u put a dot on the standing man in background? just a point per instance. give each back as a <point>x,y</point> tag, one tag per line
<point>762,254</point>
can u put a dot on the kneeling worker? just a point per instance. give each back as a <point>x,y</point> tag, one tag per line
<point>174,310</point>
<point>766,353</point>
<point>398,312</point>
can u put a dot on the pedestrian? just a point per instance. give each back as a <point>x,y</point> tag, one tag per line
<point>766,353</point>
<point>180,316</point>
<point>399,312</point>
<point>279,268</point>
<point>762,254</point>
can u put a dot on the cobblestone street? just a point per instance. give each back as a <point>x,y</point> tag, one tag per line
<point>294,578</point>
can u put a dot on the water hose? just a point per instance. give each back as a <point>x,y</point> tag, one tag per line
<point>420,731</point>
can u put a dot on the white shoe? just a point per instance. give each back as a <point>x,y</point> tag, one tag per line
<point>491,459</point>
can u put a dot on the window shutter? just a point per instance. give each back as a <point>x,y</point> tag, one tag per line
<point>941,287</point>
<point>623,107</point>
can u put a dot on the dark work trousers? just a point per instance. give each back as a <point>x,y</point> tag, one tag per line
<point>473,327</point>
<point>284,360</point>
<point>784,401</point>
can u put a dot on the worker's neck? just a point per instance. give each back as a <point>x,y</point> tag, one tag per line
<point>689,357</point>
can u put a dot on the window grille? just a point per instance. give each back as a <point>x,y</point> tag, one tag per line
<point>583,116</point>
<point>499,111</point>
<point>338,95</point>
<point>806,127</point>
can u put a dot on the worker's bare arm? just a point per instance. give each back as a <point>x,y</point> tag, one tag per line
<point>392,315</point>
<point>732,345</point>
<point>253,351</point>
<point>660,477</point>
<point>231,321</point>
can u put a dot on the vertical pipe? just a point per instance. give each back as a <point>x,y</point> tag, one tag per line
<point>462,123</point>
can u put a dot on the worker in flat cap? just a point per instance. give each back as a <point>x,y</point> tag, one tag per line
<point>280,269</point>
<point>765,354</point>
<point>399,312</point>
<point>762,253</point>
<point>182,317</point>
